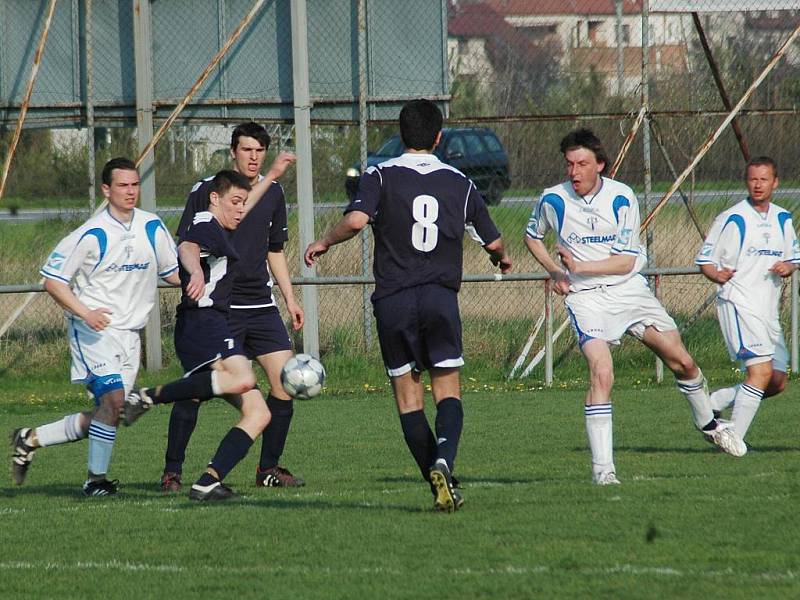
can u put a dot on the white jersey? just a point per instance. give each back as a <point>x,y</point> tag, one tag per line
<point>592,227</point>
<point>115,265</point>
<point>750,242</point>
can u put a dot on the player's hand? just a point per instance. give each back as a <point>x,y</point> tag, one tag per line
<point>724,275</point>
<point>280,164</point>
<point>567,259</point>
<point>560,282</point>
<point>196,285</point>
<point>314,251</point>
<point>298,316</point>
<point>503,262</point>
<point>782,268</point>
<point>98,318</point>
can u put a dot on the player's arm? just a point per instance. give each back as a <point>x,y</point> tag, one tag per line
<point>539,252</point>
<point>783,268</point>
<point>715,274</point>
<point>498,256</point>
<point>616,264</point>
<point>714,252</point>
<point>276,170</point>
<point>348,227</point>
<point>173,279</point>
<point>96,318</point>
<point>189,255</point>
<point>791,251</point>
<point>280,271</point>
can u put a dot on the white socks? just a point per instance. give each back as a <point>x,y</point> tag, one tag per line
<point>723,397</point>
<point>696,392</point>
<point>62,431</point>
<point>745,406</point>
<point>601,439</point>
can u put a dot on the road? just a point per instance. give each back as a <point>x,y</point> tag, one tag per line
<point>37,214</point>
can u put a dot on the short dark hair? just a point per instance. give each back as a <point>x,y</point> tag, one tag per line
<point>250,129</point>
<point>122,163</point>
<point>585,138</point>
<point>227,179</point>
<point>420,122</point>
<point>759,161</point>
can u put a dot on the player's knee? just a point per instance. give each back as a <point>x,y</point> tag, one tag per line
<point>603,377</point>
<point>244,383</point>
<point>257,416</point>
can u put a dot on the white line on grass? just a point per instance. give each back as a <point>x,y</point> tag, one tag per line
<point>114,565</point>
<point>623,569</point>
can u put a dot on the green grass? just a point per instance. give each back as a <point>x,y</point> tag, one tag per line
<point>687,521</point>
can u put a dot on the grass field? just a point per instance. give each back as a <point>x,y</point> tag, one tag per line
<point>687,522</point>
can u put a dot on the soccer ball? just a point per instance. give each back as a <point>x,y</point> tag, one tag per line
<point>303,376</point>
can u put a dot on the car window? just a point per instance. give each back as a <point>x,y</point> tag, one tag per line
<point>393,147</point>
<point>455,144</point>
<point>492,143</point>
<point>474,144</point>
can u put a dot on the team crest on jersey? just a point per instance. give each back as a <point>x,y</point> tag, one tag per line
<point>590,221</point>
<point>55,261</point>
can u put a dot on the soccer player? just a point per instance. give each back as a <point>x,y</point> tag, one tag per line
<point>104,275</point>
<point>419,209</point>
<point>596,222</point>
<point>750,247</point>
<point>212,358</point>
<point>253,319</point>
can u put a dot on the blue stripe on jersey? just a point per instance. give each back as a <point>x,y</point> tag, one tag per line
<point>782,218</point>
<point>737,220</point>
<point>557,202</point>
<point>102,241</point>
<point>44,273</point>
<point>619,202</point>
<point>151,227</point>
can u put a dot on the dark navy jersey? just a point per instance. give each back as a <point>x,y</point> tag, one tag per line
<point>419,209</point>
<point>263,230</point>
<point>218,259</point>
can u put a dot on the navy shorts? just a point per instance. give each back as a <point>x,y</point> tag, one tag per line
<point>259,330</point>
<point>202,336</point>
<point>419,328</point>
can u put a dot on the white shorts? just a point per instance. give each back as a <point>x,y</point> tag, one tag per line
<point>608,312</point>
<point>752,339</point>
<point>100,359</point>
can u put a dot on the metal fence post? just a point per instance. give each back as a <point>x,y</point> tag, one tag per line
<point>143,57</point>
<point>362,142</point>
<point>548,332</point>
<point>794,294</point>
<point>305,188</point>
<point>90,105</point>
<point>648,183</point>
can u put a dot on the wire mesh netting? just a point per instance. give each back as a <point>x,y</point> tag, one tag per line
<point>520,74</point>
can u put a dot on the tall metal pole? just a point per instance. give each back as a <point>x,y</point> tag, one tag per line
<point>549,340</point>
<point>143,56</point>
<point>362,136</point>
<point>648,183</point>
<point>305,189</point>
<point>620,50</point>
<point>90,104</point>
<point>793,283</point>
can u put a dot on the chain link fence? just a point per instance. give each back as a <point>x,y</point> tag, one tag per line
<point>521,72</point>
